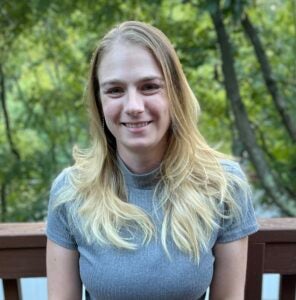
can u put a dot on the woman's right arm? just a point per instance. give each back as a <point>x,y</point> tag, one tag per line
<point>62,266</point>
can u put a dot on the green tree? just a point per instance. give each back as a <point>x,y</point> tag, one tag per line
<point>45,52</point>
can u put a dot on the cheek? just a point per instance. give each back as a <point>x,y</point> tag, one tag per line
<point>111,111</point>
<point>162,111</point>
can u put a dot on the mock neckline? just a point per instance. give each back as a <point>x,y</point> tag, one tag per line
<point>147,180</point>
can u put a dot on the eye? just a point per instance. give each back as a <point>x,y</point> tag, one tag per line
<point>150,88</point>
<point>114,91</point>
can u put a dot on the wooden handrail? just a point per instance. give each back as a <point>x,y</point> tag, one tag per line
<point>22,250</point>
<point>271,250</point>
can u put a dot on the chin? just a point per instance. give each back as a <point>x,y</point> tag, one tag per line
<point>141,147</point>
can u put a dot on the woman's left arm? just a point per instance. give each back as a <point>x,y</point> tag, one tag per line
<point>229,270</point>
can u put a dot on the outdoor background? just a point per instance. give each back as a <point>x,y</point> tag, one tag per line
<point>247,91</point>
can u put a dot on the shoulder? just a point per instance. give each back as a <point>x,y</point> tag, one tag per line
<point>237,183</point>
<point>233,168</point>
<point>62,192</point>
<point>60,226</point>
<point>61,188</point>
<point>60,181</point>
<point>242,221</point>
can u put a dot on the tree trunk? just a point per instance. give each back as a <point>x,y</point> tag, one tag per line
<point>3,202</point>
<point>6,117</point>
<point>270,82</point>
<point>279,195</point>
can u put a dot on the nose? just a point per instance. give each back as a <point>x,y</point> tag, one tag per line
<point>134,104</point>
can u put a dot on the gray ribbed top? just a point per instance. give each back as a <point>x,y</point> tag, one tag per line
<point>145,273</point>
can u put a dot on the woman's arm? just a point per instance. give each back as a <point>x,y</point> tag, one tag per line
<point>62,273</point>
<point>229,270</point>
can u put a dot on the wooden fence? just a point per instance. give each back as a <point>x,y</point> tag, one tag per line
<point>271,250</point>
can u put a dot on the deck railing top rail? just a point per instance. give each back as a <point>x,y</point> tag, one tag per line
<point>22,235</point>
<point>275,229</point>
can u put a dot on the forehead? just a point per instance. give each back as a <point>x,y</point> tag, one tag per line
<point>127,61</point>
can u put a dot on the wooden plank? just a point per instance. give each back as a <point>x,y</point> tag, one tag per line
<point>22,235</point>
<point>277,224</point>
<point>17,263</point>
<point>275,230</point>
<point>253,288</point>
<point>280,258</point>
<point>273,237</point>
<point>23,229</point>
<point>288,287</point>
<point>12,289</point>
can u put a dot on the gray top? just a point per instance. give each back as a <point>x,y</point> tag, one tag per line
<point>146,273</point>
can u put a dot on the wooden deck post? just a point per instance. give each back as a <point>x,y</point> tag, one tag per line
<point>255,269</point>
<point>288,287</point>
<point>12,289</point>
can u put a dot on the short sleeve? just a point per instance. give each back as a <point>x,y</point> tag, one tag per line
<point>236,228</point>
<point>58,227</point>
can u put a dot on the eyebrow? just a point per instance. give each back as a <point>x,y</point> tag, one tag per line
<point>118,81</point>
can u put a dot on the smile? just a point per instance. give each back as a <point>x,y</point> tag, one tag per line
<point>136,125</point>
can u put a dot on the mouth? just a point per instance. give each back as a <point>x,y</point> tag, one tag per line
<point>136,124</point>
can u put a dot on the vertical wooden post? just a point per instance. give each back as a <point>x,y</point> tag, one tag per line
<point>288,287</point>
<point>255,270</point>
<point>12,289</point>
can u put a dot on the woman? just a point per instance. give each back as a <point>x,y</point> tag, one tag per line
<point>149,211</point>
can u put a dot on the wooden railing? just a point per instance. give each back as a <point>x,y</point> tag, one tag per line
<point>22,254</point>
<point>271,250</point>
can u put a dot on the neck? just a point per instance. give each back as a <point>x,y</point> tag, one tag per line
<point>140,163</point>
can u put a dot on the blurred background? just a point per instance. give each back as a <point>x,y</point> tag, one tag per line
<point>247,92</point>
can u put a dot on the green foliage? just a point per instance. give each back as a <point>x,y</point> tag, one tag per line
<point>45,52</point>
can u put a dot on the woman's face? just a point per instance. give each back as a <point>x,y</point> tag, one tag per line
<point>134,100</point>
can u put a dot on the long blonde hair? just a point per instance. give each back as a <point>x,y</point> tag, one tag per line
<point>193,186</point>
